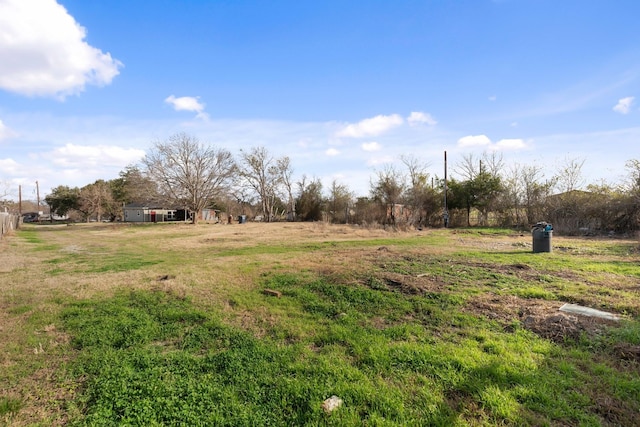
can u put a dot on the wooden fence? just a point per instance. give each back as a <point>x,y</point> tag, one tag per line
<point>8,223</point>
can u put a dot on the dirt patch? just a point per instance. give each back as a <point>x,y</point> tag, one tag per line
<point>260,323</point>
<point>627,351</point>
<point>539,316</point>
<point>612,411</point>
<point>420,284</point>
<point>409,285</point>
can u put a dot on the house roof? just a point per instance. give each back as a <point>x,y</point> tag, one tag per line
<point>158,207</point>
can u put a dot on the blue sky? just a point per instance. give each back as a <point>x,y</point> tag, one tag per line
<point>342,87</point>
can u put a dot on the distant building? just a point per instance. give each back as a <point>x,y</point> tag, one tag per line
<point>139,213</point>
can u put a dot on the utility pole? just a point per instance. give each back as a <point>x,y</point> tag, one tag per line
<point>38,195</point>
<point>445,214</point>
<point>20,200</point>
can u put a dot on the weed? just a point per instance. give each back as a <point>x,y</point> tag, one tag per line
<point>9,406</point>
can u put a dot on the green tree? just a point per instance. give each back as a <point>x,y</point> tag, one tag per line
<point>486,189</point>
<point>63,199</point>
<point>481,193</point>
<point>133,186</point>
<point>309,201</point>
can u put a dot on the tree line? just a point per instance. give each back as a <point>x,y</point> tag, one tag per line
<point>181,172</point>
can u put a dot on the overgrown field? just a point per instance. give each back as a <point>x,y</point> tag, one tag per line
<point>171,325</point>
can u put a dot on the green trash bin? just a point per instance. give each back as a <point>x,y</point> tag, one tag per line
<point>542,234</point>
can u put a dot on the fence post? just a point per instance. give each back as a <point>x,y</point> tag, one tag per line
<point>8,222</point>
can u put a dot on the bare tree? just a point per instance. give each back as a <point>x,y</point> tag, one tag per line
<point>568,210</point>
<point>5,189</point>
<point>5,192</point>
<point>632,182</point>
<point>535,190</point>
<point>192,174</point>
<point>419,195</point>
<point>468,167</point>
<point>511,198</point>
<point>286,172</point>
<point>387,191</point>
<point>569,177</point>
<point>417,169</point>
<point>492,163</point>
<point>260,171</point>
<point>242,200</point>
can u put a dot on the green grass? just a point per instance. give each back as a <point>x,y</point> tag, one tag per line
<point>33,237</point>
<point>154,360</point>
<point>9,406</point>
<point>150,358</point>
<point>30,236</point>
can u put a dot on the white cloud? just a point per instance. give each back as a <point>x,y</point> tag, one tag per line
<point>624,105</point>
<point>79,156</point>
<point>371,146</point>
<point>493,98</point>
<point>483,141</point>
<point>510,144</point>
<point>474,141</point>
<point>371,127</point>
<point>5,132</point>
<point>10,166</point>
<point>332,152</point>
<point>48,52</point>
<point>417,117</point>
<point>188,103</point>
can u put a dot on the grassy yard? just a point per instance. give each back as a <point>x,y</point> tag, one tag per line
<point>109,324</point>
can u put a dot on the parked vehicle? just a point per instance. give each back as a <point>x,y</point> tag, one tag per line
<point>30,217</point>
